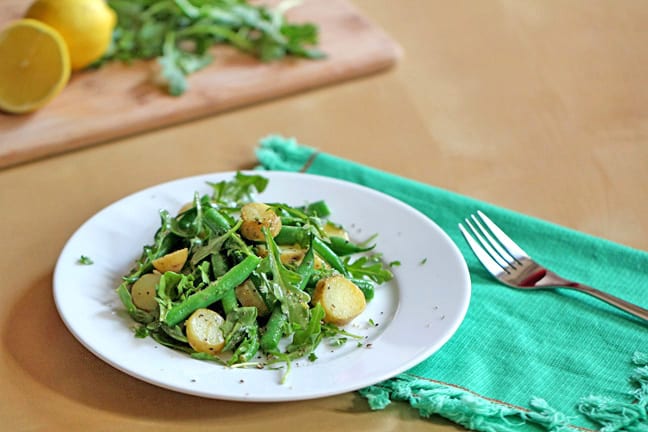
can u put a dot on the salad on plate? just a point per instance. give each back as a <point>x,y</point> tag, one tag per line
<point>250,284</point>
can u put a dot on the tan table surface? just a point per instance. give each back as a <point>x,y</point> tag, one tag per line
<point>541,107</point>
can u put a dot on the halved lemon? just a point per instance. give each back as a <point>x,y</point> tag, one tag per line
<point>35,65</point>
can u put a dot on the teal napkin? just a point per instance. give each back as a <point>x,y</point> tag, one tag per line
<point>521,360</point>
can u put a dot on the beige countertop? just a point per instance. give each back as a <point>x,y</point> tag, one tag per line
<point>540,107</point>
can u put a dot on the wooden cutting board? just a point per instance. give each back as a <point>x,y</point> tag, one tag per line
<point>119,100</point>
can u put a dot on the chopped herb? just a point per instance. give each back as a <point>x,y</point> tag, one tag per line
<point>423,261</point>
<point>394,264</point>
<point>180,33</point>
<point>85,260</point>
<point>141,332</point>
<point>339,341</point>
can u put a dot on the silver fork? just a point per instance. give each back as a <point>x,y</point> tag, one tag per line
<point>509,264</point>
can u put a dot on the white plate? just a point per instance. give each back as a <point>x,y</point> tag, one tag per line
<point>415,314</point>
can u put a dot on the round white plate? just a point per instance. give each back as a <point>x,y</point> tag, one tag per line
<point>409,318</point>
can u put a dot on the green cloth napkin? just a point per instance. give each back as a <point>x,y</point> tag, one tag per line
<point>522,360</point>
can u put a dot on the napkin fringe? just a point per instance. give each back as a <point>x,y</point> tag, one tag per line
<point>615,415</point>
<point>476,412</point>
<point>464,407</point>
<point>280,153</point>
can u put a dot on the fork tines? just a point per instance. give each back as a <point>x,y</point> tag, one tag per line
<point>496,251</point>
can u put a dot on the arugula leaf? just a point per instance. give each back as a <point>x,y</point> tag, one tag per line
<point>213,245</point>
<point>241,332</point>
<point>370,267</point>
<point>176,64</point>
<point>163,242</point>
<point>237,324</point>
<point>179,33</point>
<point>239,190</point>
<point>164,339</point>
<point>285,286</point>
<point>138,315</point>
<point>306,339</point>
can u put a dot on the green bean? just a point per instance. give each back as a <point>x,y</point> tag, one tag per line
<point>306,268</point>
<point>329,256</point>
<point>274,330</point>
<point>343,247</point>
<point>229,301</point>
<point>367,287</point>
<point>292,235</point>
<point>291,221</point>
<point>219,266</point>
<point>213,292</point>
<point>317,208</point>
<point>215,221</point>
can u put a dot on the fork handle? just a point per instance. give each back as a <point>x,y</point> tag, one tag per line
<point>632,309</point>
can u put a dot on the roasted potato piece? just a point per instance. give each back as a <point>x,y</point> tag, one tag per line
<point>248,295</point>
<point>319,263</point>
<point>261,250</point>
<point>173,261</point>
<point>255,216</point>
<point>204,331</point>
<point>341,299</point>
<point>143,291</point>
<point>333,230</point>
<point>291,255</point>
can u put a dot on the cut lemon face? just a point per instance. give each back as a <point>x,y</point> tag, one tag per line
<point>35,65</point>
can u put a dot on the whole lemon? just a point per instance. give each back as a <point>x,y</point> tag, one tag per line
<point>85,25</point>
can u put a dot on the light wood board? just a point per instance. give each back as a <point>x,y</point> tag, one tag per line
<point>118,100</point>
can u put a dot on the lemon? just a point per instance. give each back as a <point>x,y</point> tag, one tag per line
<point>86,26</point>
<point>35,65</point>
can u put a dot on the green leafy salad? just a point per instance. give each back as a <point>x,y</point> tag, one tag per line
<point>180,33</point>
<point>247,283</point>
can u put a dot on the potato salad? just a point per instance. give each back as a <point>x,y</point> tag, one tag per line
<point>248,283</point>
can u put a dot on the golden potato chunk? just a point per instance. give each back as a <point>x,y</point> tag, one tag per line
<point>248,295</point>
<point>204,332</point>
<point>143,291</point>
<point>292,255</point>
<point>341,299</point>
<point>333,230</point>
<point>255,216</point>
<point>173,261</point>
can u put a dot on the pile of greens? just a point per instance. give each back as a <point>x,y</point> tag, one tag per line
<point>179,34</point>
<point>220,259</point>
